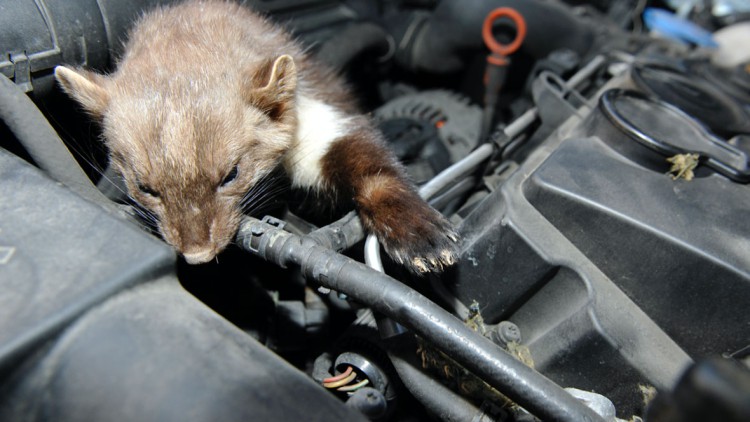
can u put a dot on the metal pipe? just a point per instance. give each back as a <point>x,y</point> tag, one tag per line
<point>383,294</point>
<point>469,163</point>
<point>372,253</point>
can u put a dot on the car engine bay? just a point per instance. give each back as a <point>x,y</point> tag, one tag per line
<point>597,173</point>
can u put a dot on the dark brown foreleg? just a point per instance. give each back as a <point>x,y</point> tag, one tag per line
<point>361,167</point>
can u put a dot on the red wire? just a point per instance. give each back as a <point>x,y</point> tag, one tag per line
<point>340,376</point>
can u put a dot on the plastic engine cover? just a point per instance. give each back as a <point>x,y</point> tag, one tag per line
<point>616,274</point>
<point>94,325</point>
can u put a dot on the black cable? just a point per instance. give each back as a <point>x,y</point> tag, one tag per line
<point>436,397</point>
<point>40,140</point>
<point>530,389</point>
<point>341,234</point>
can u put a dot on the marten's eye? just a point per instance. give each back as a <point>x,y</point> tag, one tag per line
<point>147,190</point>
<point>230,176</point>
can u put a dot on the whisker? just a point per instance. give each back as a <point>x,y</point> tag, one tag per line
<point>259,206</point>
<point>145,216</point>
<point>268,183</point>
<point>88,157</point>
<point>89,153</point>
<point>268,190</point>
<point>263,199</point>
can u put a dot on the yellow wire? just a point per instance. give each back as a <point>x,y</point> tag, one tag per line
<point>356,386</point>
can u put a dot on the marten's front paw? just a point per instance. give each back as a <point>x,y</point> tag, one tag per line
<point>434,252</point>
<point>413,234</point>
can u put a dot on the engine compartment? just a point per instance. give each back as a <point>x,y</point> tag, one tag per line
<point>604,272</point>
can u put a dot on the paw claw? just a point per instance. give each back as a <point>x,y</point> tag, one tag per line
<point>420,239</point>
<point>447,257</point>
<point>435,255</point>
<point>420,265</point>
<point>432,262</point>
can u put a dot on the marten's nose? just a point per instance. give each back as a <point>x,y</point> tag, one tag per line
<point>199,256</point>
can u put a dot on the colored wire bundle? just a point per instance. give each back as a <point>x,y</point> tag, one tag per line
<point>343,381</point>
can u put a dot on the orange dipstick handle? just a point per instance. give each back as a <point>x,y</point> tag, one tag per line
<point>500,51</point>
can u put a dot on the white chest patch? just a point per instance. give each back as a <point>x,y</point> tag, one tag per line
<point>319,124</point>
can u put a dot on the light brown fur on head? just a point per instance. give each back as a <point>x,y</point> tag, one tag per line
<point>190,136</point>
<point>209,98</point>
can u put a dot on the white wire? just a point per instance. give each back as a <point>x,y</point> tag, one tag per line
<point>471,161</point>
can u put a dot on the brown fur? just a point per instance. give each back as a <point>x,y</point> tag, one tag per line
<point>177,120</point>
<point>414,234</point>
<point>207,86</point>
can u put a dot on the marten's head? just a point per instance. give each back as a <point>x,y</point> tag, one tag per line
<point>193,148</point>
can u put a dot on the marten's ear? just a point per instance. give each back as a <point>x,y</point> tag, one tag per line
<point>85,87</point>
<point>271,87</point>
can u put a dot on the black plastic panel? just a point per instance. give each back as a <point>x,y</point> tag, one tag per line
<point>680,250</point>
<point>154,353</point>
<point>616,274</point>
<point>59,256</point>
<point>95,326</point>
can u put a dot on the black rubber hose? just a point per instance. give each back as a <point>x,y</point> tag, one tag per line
<point>439,44</point>
<point>385,295</point>
<point>40,140</point>
<point>434,396</point>
<point>346,45</point>
<point>341,234</point>
<point>73,32</point>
